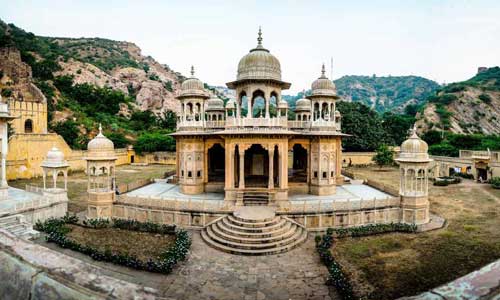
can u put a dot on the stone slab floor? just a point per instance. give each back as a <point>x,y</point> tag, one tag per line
<point>211,274</point>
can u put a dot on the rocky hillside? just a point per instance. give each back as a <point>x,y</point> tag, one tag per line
<point>100,62</point>
<point>392,93</point>
<point>471,106</point>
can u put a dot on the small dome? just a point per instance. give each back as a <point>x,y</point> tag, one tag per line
<point>215,104</point>
<point>259,64</point>
<point>101,147</point>
<point>323,86</point>
<point>303,105</point>
<point>414,148</point>
<point>192,87</point>
<point>55,158</point>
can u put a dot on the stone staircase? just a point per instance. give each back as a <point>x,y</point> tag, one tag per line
<point>17,225</point>
<point>255,197</point>
<point>250,236</point>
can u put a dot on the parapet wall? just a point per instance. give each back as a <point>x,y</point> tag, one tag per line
<point>30,271</point>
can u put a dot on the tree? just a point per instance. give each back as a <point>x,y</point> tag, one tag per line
<point>156,141</point>
<point>168,120</point>
<point>118,139</point>
<point>397,126</point>
<point>384,156</point>
<point>364,124</point>
<point>70,132</point>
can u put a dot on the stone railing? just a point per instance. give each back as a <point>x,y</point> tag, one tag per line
<point>315,206</point>
<point>257,122</point>
<point>201,205</point>
<point>215,124</point>
<point>34,189</point>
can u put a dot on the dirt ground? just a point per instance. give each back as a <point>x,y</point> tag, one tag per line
<point>395,265</point>
<point>142,245</point>
<point>77,182</point>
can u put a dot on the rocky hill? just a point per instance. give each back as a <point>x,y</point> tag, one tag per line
<point>471,106</point>
<point>100,62</point>
<point>391,93</point>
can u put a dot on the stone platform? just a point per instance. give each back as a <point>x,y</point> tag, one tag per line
<point>255,212</point>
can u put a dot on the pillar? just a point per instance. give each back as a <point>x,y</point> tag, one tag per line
<point>249,107</point>
<point>242,167</point>
<point>54,178</point>
<point>271,166</point>
<point>5,141</point>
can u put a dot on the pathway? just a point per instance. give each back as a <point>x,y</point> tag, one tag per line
<point>211,274</point>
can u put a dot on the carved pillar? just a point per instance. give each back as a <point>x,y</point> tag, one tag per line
<point>229,166</point>
<point>266,100</point>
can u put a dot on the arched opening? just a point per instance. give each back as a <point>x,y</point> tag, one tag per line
<point>216,163</point>
<point>28,126</point>
<point>316,111</point>
<point>243,103</point>
<point>258,104</point>
<point>324,111</point>
<point>299,164</point>
<point>189,111</point>
<point>256,166</point>
<point>273,104</point>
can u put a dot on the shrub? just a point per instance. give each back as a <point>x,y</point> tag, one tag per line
<point>6,92</point>
<point>118,139</point>
<point>495,182</point>
<point>384,156</point>
<point>441,183</point>
<point>465,175</point>
<point>485,98</point>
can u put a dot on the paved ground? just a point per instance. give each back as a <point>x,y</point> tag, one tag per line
<point>211,274</point>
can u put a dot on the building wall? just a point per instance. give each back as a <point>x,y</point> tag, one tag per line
<point>357,158</point>
<point>28,110</point>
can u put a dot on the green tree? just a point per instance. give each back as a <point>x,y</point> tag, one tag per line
<point>397,126</point>
<point>70,132</point>
<point>363,124</point>
<point>155,141</point>
<point>118,139</point>
<point>384,156</point>
<point>168,120</point>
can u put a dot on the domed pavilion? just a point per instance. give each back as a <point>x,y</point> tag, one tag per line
<point>247,148</point>
<point>101,187</point>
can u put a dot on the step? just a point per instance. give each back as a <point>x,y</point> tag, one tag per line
<point>242,229</point>
<point>271,245</point>
<point>30,235</point>
<point>235,251</point>
<point>234,233</point>
<point>11,227</point>
<point>254,240</point>
<point>252,223</point>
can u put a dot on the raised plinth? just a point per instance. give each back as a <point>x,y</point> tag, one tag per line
<point>254,231</point>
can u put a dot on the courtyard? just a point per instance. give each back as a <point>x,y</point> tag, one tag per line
<point>394,265</point>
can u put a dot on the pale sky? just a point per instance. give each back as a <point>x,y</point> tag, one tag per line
<point>441,40</point>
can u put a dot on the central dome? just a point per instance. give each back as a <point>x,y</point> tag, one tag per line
<point>259,64</point>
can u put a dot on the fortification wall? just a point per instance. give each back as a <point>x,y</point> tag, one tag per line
<point>30,271</point>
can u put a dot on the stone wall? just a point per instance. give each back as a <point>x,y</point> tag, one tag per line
<point>30,271</point>
<point>28,151</point>
<point>357,158</point>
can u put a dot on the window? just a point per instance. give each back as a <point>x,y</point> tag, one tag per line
<point>324,174</point>
<point>190,174</point>
<point>315,174</point>
<point>198,173</point>
<point>182,173</point>
<point>28,126</point>
<point>331,175</point>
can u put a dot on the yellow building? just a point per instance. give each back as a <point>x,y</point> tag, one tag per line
<point>246,156</point>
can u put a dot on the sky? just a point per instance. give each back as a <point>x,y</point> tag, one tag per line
<point>445,41</point>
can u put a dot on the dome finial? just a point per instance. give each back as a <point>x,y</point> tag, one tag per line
<point>413,130</point>
<point>100,129</point>
<point>259,38</point>
<point>323,71</point>
<point>192,71</point>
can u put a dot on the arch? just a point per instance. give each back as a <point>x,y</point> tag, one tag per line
<point>256,166</point>
<point>316,111</point>
<point>258,104</point>
<point>242,102</point>
<point>28,126</point>
<point>299,164</point>
<point>216,163</point>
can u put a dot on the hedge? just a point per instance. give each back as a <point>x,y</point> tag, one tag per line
<point>56,230</point>
<point>337,277</point>
<point>495,182</point>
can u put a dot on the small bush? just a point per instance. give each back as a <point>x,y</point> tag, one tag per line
<point>485,98</point>
<point>441,183</point>
<point>495,182</point>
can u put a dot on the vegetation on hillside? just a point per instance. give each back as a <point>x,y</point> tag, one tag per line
<point>391,93</point>
<point>449,144</point>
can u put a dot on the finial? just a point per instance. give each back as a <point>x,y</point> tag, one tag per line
<point>413,130</point>
<point>259,39</point>
<point>192,71</point>
<point>323,70</point>
<point>100,128</point>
